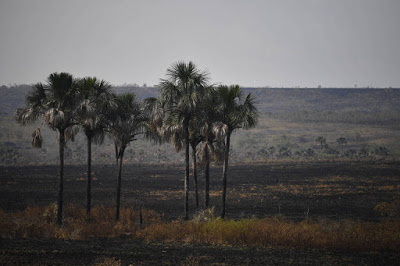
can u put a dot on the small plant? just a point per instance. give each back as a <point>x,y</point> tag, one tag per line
<point>322,141</point>
<point>204,215</point>
<point>341,141</point>
<point>389,210</point>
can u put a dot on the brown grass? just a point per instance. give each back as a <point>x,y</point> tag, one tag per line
<point>39,222</point>
<point>351,235</point>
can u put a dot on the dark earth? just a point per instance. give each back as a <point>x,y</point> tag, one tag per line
<point>335,191</point>
<point>133,252</point>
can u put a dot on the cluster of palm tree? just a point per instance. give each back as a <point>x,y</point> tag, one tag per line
<point>67,105</point>
<point>190,113</point>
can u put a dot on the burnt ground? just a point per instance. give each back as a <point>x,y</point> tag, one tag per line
<point>133,252</point>
<point>327,190</point>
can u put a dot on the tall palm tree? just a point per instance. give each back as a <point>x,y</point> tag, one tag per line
<point>167,129</point>
<point>181,93</point>
<point>235,111</point>
<point>95,104</point>
<point>57,102</point>
<point>211,131</point>
<point>126,121</point>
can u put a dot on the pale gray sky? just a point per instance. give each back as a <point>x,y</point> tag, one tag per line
<point>252,43</point>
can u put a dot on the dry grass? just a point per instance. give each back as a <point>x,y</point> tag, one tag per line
<point>268,232</point>
<point>39,222</point>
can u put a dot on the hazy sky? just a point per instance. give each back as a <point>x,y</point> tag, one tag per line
<point>252,43</point>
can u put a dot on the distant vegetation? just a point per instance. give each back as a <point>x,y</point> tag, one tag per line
<point>367,118</point>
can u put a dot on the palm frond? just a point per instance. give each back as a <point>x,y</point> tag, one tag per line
<point>26,115</point>
<point>235,110</point>
<point>219,151</point>
<point>127,120</point>
<point>219,130</point>
<point>205,152</point>
<point>55,118</point>
<point>37,138</point>
<point>36,97</point>
<point>71,132</point>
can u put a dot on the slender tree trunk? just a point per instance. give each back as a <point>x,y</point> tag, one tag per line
<point>89,174</point>
<point>121,156</point>
<point>61,176</point>
<point>116,152</point>
<point>225,174</point>
<point>195,174</point>
<point>186,183</point>
<point>207,179</point>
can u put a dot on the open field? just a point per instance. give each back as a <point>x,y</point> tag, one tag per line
<point>328,190</point>
<point>290,122</point>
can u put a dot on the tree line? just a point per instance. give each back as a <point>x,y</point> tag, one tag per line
<point>190,112</point>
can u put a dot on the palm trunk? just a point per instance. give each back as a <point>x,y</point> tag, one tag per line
<point>89,174</point>
<point>121,156</point>
<point>61,176</point>
<point>207,180</point>
<point>207,177</point>
<point>225,174</point>
<point>186,183</point>
<point>116,152</point>
<point>195,174</point>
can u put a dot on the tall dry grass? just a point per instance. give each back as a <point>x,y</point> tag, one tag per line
<point>40,222</point>
<point>269,232</point>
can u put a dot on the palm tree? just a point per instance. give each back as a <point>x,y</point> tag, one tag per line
<point>235,111</point>
<point>211,142</point>
<point>57,102</point>
<point>170,130</point>
<point>126,121</point>
<point>95,104</point>
<point>181,93</point>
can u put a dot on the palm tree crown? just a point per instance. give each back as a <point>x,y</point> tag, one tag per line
<point>183,89</point>
<point>235,110</point>
<point>96,103</point>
